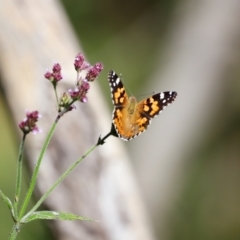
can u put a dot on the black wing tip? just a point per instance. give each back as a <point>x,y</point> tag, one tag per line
<point>170,96</point>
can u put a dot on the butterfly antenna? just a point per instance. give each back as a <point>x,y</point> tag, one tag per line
<point>125,84</point>
<point>147,94</point>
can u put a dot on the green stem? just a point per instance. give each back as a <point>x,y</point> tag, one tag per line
<point>56,95</point>
<point>19,175</point>
<point>63,176</point>
<point>14,232</point>
<point>36,169</point>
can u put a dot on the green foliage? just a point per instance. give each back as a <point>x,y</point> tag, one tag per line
<point>52,215</point>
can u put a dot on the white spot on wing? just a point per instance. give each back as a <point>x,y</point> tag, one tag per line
<point>117,81</point>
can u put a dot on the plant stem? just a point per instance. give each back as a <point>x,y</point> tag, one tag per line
<point>56,94</point>
<point>36,169</point>
<point>14,232</point>
<point>62,177</point>
<point>19,176</point>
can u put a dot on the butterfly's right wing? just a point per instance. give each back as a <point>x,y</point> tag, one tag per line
<point>118,92</point>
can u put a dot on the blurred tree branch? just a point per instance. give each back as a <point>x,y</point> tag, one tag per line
<point>33,35</point>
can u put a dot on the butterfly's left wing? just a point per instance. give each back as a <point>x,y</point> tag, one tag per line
<point>120,101</point>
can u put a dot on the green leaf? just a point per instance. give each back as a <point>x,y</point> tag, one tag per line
<point>9,203</point>
<point>52,215</point>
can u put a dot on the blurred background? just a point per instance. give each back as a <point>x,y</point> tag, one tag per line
<point>187,164</point>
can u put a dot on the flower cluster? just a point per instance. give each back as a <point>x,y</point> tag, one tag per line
<point>85,73</point>
<point>81,90</point>
<point>92,71</point>
<point>80,63</point>
<point>83,86</point>
<point>54,76</point>
<point>28,124</point>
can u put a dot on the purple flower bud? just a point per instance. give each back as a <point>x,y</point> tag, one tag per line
<point>74,93</point>
<point>54,76</point>
<point>85,86</point>
<point>80,63</point>
<point>99,66</point>
<point>57,76</point>
<point>84,99</point>
<point>28,124</point>
<point>56,67</point>
<point>48,75</point>
<point>94,71</point>
<point>79,60</point>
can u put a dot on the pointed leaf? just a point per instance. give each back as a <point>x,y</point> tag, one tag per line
<point>8,202</point>
<point>52,215</point>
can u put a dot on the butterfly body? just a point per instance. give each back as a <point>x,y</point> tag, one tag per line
<point>130,118</point>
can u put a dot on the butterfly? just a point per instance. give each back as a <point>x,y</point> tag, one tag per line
<point>130,118</point>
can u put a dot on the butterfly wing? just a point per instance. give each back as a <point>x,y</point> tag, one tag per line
<point>119,95</point>
<point>120,101</point>
<point>152,106</point>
